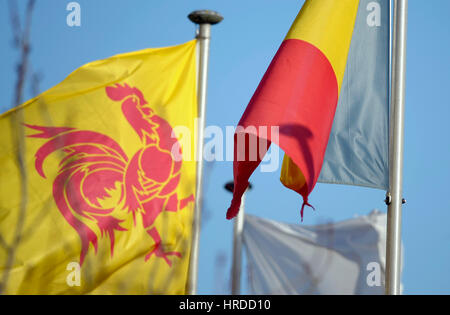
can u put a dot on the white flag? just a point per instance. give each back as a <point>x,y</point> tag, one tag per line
<point>341,258</point>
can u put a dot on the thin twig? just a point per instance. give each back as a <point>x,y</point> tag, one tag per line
<point>21,39</point>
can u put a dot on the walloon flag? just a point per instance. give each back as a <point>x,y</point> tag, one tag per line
<point>102,202</point>
<point>327,92</point>
<point>346,257</point>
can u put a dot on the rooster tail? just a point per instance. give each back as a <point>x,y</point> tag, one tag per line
<point>90,169</point>
<point>47,132</point>
<point>77,143</point>
<point>87,237</point>
<point>86,234</point>
<point>82,214</point>
<point>107,226</point>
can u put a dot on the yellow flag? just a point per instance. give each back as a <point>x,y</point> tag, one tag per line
<point>100,201</point>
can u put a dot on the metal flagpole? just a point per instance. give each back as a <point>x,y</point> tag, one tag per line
<point>236,269</point>
<point>204,19</point>
<point>394,196</point>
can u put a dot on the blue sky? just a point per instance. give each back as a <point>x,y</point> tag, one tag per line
<point>241,49</point>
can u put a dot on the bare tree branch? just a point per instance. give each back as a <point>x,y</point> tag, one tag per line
<point>15,22</point>
<point>21,39</point>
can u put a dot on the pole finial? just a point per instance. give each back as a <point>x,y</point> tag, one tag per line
<point>205,17</point>
<point>230,186</point>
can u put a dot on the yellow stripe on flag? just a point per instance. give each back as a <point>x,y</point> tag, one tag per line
<point>328,25</point>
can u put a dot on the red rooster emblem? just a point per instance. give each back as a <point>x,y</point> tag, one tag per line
<point>93,164</point>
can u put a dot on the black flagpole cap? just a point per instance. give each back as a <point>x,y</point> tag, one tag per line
<point>230,186</point>
<point>205,17</point>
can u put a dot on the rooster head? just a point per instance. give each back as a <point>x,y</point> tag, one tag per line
<point>133,98</point>
<point>135,108</point>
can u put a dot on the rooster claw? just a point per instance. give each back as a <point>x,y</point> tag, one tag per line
<point>158,252</point>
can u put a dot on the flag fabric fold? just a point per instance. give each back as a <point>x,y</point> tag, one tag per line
<point>345,257</point>
<point>298,94</point>
<point>102,204</point>
<point>358,148</point>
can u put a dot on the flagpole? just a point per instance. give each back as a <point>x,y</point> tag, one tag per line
<point>203,18</point>
<point>236,268</point>
<point>394,198</point>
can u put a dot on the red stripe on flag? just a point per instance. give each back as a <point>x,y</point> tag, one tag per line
<point>298,93</point>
